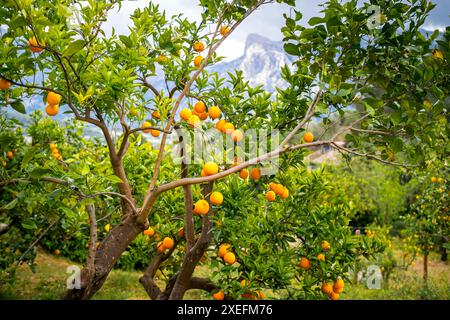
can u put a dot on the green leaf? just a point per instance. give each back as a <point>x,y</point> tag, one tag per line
<point>11,205</point>
<point>315,20</point>
<point>292,49</point>
<point>39,172</point>
<point>18,106</point>
<point>126,41</point>
<point>113,178</point>
<point>73,48</point>
<point>29,224</point>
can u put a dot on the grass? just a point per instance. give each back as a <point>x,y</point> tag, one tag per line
<point>49,282</point>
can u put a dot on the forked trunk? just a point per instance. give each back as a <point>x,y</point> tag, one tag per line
<point>106,257</point>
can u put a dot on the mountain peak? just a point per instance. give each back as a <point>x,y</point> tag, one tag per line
<point>257,39</point>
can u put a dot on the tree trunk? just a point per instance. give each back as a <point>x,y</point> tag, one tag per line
<point>106,256</point>
<point>425,268</point>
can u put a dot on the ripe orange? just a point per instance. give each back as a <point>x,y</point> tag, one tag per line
<point>216,198</point>
<point>228,128</point>
<point>4,85</point>
<point>214,112</point>
<point>277,188</point>
<point>52,110</point>
<point>308,137</point>
<point>146,124</point>
<point>325,246</point>
<point>224,30</point>
<point>9,154</point>
<point>333,296</point>
<point>321,257</point>
<point>243,174</point>
<point>229,258</point>
<point>220,124</point>
<point>194,121</point>
<point>52,146</point>
<point>223,249</point>
<point>270,196</point>
<point>149,232</point>
<point>180,233</point>
<point>53,98</point>
<point>57,252</point>
<point>434,179</point>
<point>185,114</point>
<point>327,288</point>
<point>211,168</point>
<point>285,193</point>
<point>202,116</point>
<point>160,247</point>
<point>156,114</point>
<point>34,45</point>
<point>199,46</point>
<point>155,133</point>
<point>198,61</point>
<point>218,295</point>
<point>168,243</point>
<point>338,286</point>
<point>237,135</point>
<point>203,173</point>
<point>200,107</point>
<point>255,174</point>
<point>201,207</point>
<point>304,263</point>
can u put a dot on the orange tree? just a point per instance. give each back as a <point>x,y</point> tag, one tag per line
<point>349,56</point>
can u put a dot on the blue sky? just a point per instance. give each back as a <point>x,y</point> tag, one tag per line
<point>266,21</point>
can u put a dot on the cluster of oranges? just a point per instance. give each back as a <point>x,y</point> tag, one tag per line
<point>199,113</point>
<point>147,125</point>
<point>437,180</point>
<point>255,174</point>
<point>276,189</point>
<point>200,46</point>
<point>226,254</point>
<point>332,290</point>
<point>55,152</point>
<point>53,101</point>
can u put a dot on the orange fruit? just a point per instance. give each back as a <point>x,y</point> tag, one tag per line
<point>4,85</point>
<point>224,30</point>
<point>333,296</point>
<point>149,232</point>
<point>304,263</point>
<point>214,112</point>
<point>228,128</point>
<point>199,46</point>
<point>327,288</point>
<point>200,107</point>
<point>203,173</point>
<point>52,110</point>
<point>229,258</point>
<point>201,207</point>
<point>57,252</point>
<point>216,198</point>
<point>237,135</point>
<point>34,45</point>
<point>308,137</point>
<point>160,247</point>
<point>277,188</point>
<point>180,233</point>
<point>243,283</point>
<point>223,249</point>
<point>243,174</point>
<point>338,286</point>
<point>52,146</point>
<point>255,173</point>
<point>156,114</point>
<point>9,154</point>
<point>434,179</point>
<point>325,246</point>
<point>270,196</point>
<point>218,295</point>
<point>185,114</point>
<point>194,121</point>
<point>146,124</point>
<point>202,116</point>
<point>321,257</point>
<point>155,133</point>
<point>220,124</point>
<point>285,193</point>
<point>198,61</point>
<point>211,168</point>
<point>168,243</point>
<point>53,98</point>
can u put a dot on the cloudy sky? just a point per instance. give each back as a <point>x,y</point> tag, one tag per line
<point>266,21</point>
